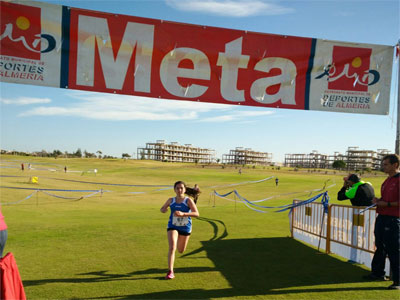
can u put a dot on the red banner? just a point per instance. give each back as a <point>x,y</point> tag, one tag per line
<point>130,55</point>
<point>94,51</point>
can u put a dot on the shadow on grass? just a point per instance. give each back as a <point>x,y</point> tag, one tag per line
<point>216,234</point>
<point>264,266</point>
<point>267,266</point>
<point>261,266</point>
<point>223,293</point>
<point>214,224</point>
<point>104,275</point>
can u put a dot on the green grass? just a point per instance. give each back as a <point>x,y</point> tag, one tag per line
<point>114,246</point>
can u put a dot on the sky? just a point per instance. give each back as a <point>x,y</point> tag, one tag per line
<point>37,118</point>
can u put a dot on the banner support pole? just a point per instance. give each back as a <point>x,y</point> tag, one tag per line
<point>397,145</point>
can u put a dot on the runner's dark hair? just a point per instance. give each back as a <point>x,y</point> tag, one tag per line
<point>179,182</point>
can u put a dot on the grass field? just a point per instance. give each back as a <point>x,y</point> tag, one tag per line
<point>114,246</point>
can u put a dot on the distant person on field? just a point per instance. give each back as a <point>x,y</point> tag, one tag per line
<point>359,192</point>
<point>65,169</point>
<point>180,223</point>
<point>387,224</point>
<point>22,167</point>
<point>240,171</point>
<point>3,233</point>
<point>276,181</point>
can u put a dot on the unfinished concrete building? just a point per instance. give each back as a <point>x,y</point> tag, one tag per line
<point>246,156</point>
<point>364,159</point>
<point>382,153</point>
<point>311,160</point>
<point>354,158</point>
<point>335,157</point>
<point>174,152</point>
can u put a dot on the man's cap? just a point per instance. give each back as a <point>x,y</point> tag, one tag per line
<point>353,178</point>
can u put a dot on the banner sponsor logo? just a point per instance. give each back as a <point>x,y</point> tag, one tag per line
<point>14,68</point>
<point>349,77</point>
<point>21,32</point>
<point>22,43</point>
<point>350,69</point>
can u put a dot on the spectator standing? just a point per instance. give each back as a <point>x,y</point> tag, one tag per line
<point>359,192</point>
<point>387,224</point>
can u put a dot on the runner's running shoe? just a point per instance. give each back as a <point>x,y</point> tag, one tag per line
<point>170,275</point>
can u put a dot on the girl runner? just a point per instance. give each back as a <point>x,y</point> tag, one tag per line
<point>179,224</point>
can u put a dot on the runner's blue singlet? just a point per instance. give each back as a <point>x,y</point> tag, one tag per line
<point>180,223</point>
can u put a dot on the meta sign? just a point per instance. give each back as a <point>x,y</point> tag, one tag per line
<point>65,47</point>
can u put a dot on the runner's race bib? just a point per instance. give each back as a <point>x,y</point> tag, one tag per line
<point>180,221</point>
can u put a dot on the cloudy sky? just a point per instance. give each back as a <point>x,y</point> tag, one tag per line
<point>35,118</point>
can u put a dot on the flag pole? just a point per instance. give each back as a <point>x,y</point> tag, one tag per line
<point>397,146</point>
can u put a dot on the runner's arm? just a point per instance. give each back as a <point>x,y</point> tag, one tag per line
<point>164,208</point>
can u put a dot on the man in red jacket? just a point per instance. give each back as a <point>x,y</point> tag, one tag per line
<point>11,287</point>
<point>387,224</point>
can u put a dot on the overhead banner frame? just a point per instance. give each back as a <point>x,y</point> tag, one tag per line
<point>59,46</point>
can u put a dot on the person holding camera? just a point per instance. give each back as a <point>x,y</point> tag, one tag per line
<point>359,192</point>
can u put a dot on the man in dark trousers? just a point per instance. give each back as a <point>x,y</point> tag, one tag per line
<point>387,224</point>
<point>359,192</point>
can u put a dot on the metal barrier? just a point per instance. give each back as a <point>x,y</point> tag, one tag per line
<point>342,231</point>
<point>308,224</point>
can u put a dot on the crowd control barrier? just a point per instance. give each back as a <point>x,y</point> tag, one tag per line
<point>343,230</point>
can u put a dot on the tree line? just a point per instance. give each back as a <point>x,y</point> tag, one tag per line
<point>58,153</point>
